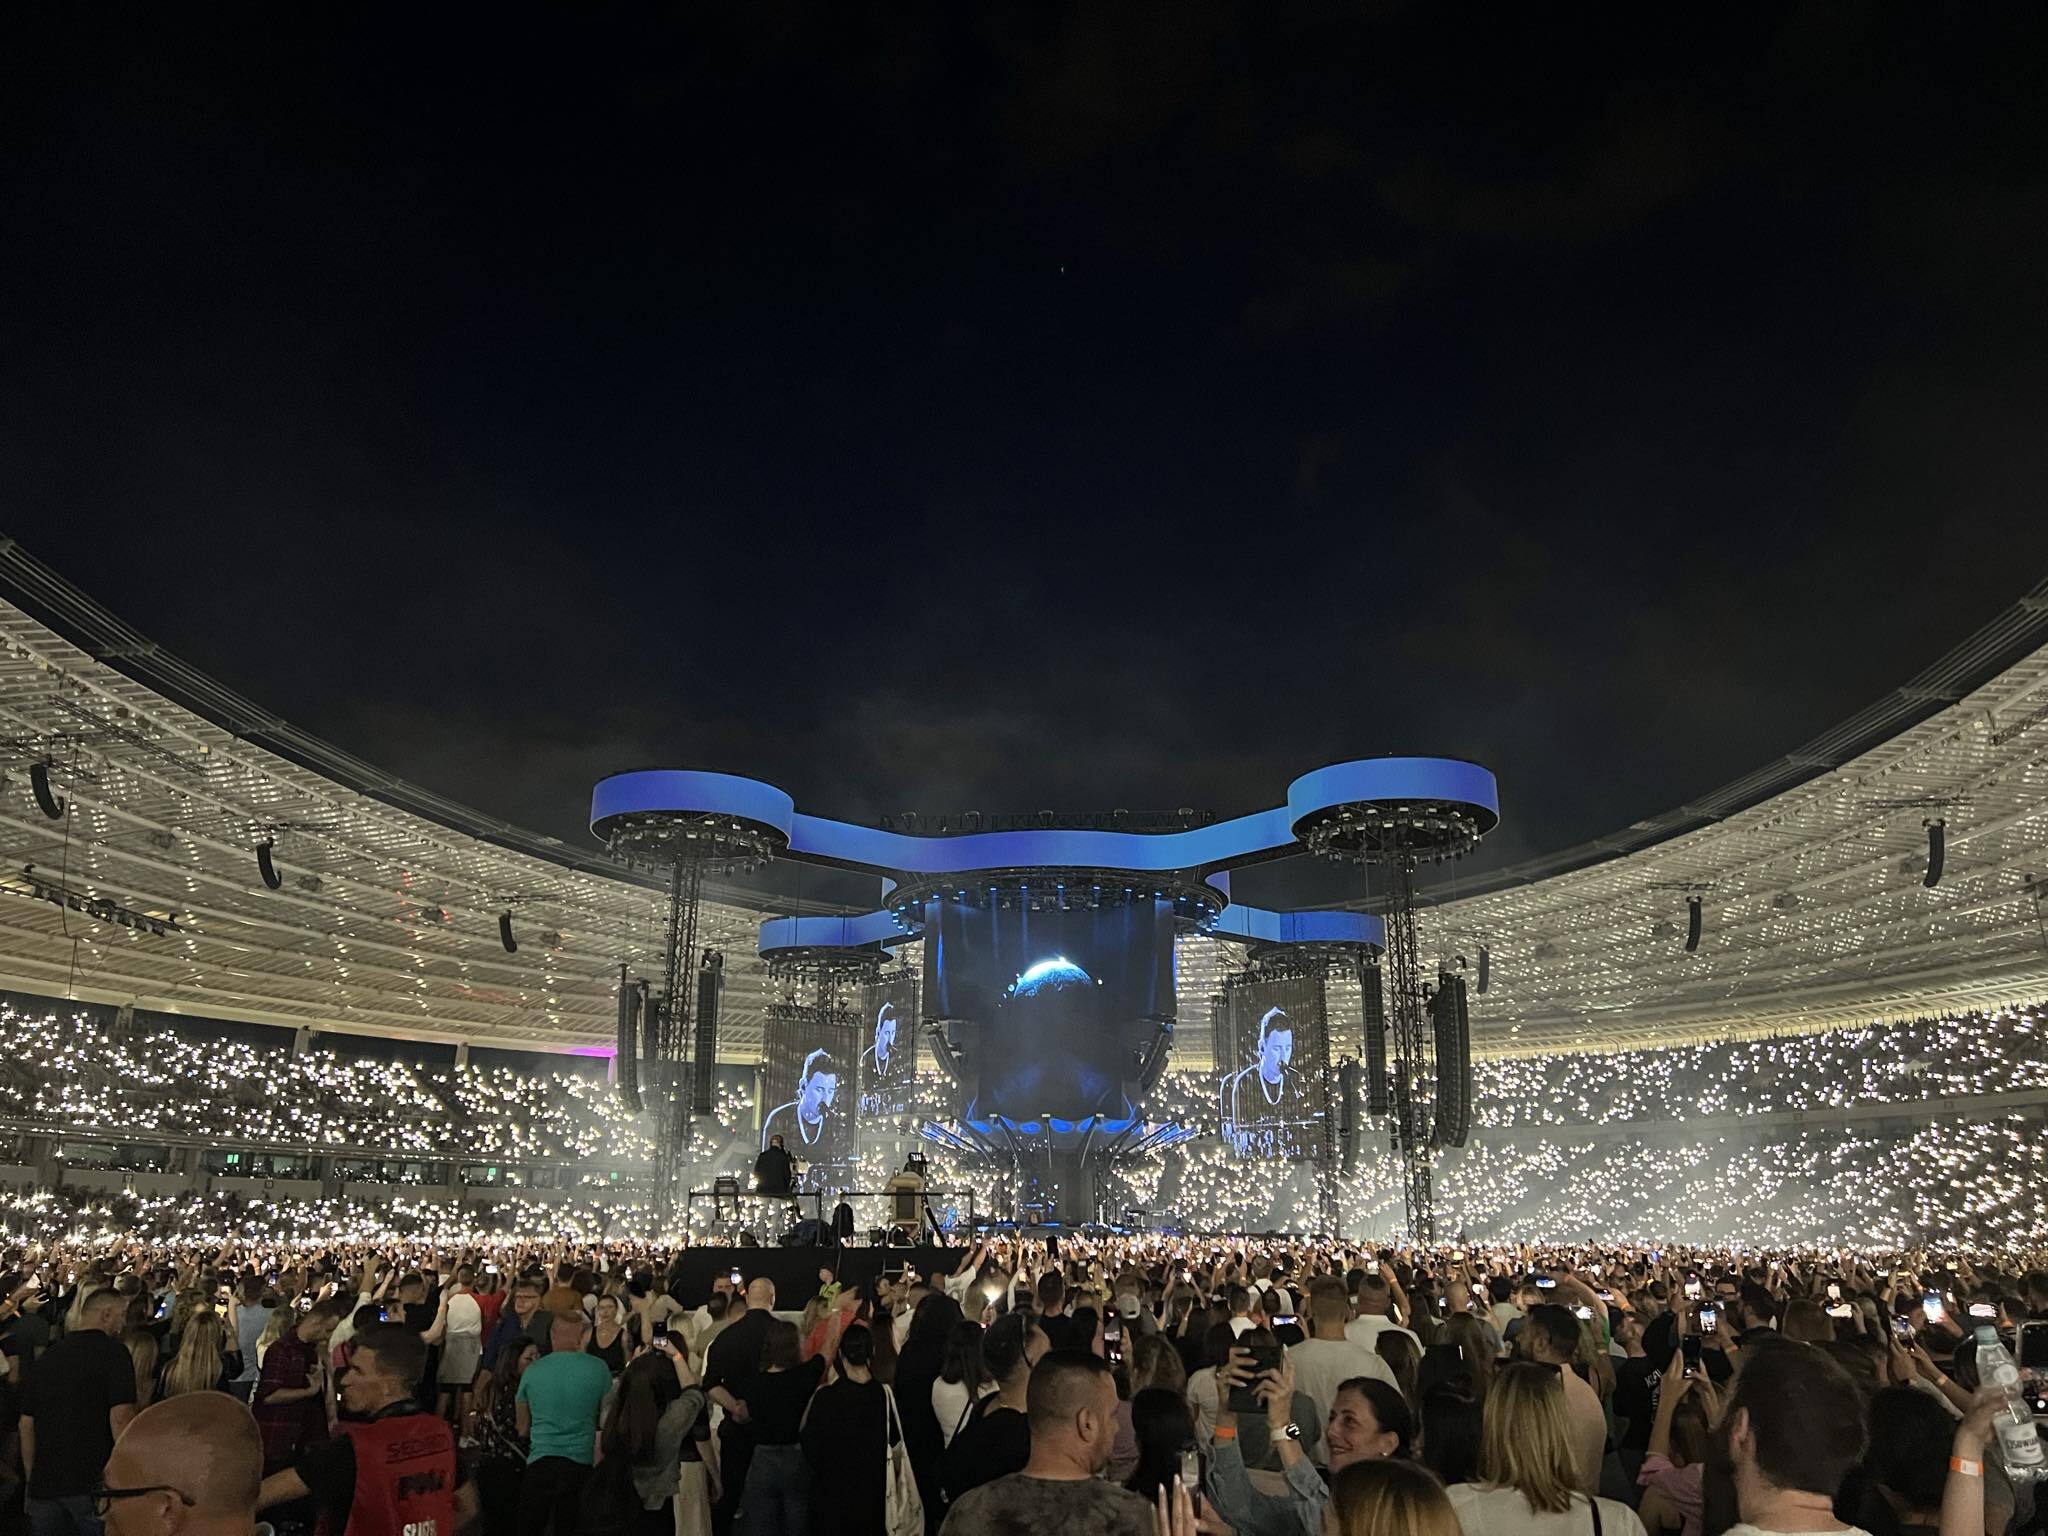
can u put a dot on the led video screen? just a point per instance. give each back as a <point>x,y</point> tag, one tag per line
<point>1061,1000</point>
<point>1270,1090</point>
<point>888,1055</point>
<point>808,1089</point>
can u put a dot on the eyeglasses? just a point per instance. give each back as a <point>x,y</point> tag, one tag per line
<point>103,1496</point>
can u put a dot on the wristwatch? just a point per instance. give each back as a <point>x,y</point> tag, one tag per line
<point>1288,1431</point>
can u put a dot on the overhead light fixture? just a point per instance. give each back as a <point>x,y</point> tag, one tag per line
<point>267,866</point>
<point>1937,850</point>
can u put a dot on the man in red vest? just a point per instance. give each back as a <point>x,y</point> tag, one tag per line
<point>391,1469</point>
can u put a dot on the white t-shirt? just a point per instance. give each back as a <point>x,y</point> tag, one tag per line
<point>949,1405</point>
<point>1203,1398</point>
<point>1323,1365</point>
<point>1484,1511</point>
<point>465,1317</point>
<point>1746,1529</point>
<point>1367,1331</point>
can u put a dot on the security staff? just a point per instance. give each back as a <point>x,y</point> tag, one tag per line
<point>391,1470</point>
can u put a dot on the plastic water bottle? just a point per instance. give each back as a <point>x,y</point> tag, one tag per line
<point>2019,1442</point>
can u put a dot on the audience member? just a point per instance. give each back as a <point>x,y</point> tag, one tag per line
<point>191,1466</point>
<point>1072,1406</point>
<point>560,1397</point>
<point>1530,1469</point>
<point>77,1400</point>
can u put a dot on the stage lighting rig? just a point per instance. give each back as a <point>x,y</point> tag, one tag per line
<point>683,844</point>
<point>1396,835</point>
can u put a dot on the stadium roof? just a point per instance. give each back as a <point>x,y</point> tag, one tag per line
<point>386,922</point>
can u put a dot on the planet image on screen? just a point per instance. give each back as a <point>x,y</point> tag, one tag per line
<point>1054,975</point>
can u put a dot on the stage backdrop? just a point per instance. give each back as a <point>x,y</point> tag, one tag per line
<point>1272,1088</point>
<point>809,1061</point>
<point>1058,1002</point>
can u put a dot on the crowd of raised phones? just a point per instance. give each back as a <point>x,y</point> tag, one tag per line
<point>1084,1386</point>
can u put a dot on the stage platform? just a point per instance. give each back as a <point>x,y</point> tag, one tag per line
<point>795,1270</point>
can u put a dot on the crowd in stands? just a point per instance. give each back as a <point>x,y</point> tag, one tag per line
<point>70,1070</point>
<point>1100,1386</point>
<point>1587,1147</point>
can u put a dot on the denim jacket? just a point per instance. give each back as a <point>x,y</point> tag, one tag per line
<point>1248,1512</point>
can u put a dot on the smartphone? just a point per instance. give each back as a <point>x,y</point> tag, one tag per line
<point>1372,1266</point>
<point>1583,1314</point>
<point>1191,1470</point>
<point>1710,1319</point>
<point>490,1269</point>
<point>1286,1320</point>
<point>1841,1309</point>
<point>1689,1346</point>
<point>1187,1277</point>
<point>1984,1311</point>
<point>1834,1292</point>
<point>1245,1399</point>
<point>1932,1305</point>
<point>1903,1327</point>
<point>1545,1283</point>
<point>1443,1304</point>
<point>735,1277</point>
<point>1692,1290</point>
<point>660,1330</point>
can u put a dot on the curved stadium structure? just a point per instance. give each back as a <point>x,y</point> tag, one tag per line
<point>1816,920</point>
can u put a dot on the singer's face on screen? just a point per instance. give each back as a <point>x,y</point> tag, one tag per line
<point>885,1037</point>
<point>816,1095</point>
<point>1275,1052</point>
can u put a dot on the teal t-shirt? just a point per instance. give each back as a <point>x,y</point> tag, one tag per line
<point>563,1393</point>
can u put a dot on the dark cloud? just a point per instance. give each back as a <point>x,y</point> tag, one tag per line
<point>1022,406</point>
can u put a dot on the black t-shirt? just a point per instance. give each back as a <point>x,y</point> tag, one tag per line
<point>79,1380</point>
<point>736,1352</point>
<point>1059,1332</point>
<point>774,1171</point>
<point>993,1444</point>
<point>776,1400</point>
<point>1635,1398</point>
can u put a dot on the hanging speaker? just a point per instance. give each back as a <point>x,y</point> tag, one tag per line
<point>39,782</point>
<point>505,933</point>
<point>704,1059</point>
<point>1937,848</point>
<point>1485,966</point>
<point>267,866</point>
<point>1453,1060</point>
<point>1376,1099</point>
<point>1347,1114</point>
<point>1692,924</point>
<point>624,1061</point>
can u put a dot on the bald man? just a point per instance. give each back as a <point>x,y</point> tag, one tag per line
<point>1072,1408</point>
<point>190,1466</point>
<point>79,1397</point>
<point>734,1354</point>
<point>559,1398</point>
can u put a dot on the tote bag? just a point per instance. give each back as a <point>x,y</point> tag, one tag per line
<point>902,1507</point>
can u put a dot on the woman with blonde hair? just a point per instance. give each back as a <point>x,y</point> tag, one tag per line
<point>200,1364</point>
<point>1528,1471</point>
<point>143,1351</point>
<point>1389,1498</point>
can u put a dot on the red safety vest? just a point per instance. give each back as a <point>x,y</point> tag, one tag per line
<point>405,1476</point>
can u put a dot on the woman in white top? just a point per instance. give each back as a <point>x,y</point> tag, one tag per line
<point>962,1380</point>
<point>1528,1473</point>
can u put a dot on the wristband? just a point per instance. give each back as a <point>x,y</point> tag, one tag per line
<point>1226,1432</point>
<point>1967,1468</point>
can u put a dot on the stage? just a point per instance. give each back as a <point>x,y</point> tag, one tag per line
<point>795,1270</point>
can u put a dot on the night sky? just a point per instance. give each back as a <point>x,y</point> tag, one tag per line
<point>934,407</point>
